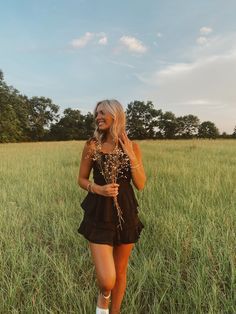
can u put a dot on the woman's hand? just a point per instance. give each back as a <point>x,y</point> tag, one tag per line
<point>127,145</point>
<point>110,189</point>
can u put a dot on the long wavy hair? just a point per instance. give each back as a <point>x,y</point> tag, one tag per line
<point>118,126</point>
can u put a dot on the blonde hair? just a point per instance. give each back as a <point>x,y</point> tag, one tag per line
<point>119,120</point>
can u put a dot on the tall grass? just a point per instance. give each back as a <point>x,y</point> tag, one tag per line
<point>184,261</point>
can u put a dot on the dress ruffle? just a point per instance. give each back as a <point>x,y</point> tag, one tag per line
<point>106,233</point>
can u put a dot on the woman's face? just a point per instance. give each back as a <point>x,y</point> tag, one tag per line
<point>103,118</point>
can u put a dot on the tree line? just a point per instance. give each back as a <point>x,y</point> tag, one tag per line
<point>25,119</point>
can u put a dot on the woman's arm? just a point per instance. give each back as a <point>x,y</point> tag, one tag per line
<point>133,151</point>
<point>84,173</point>
<point>137,169</point>
<point>85,167</point>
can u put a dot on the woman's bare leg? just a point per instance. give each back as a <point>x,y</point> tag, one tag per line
<point>102,255</point>
<point>121,255</point>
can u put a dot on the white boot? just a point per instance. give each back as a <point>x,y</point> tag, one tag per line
<point>100,310</point>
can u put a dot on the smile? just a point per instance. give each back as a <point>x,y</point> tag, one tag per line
<point>100,123</point>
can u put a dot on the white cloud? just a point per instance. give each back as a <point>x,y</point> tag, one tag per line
<point>205,30</point>
<point>202,40</point>
<point>198,102</point>
<point>122,64</point>
<point>103,40</point>
<point>82,41</point>
<point>159,34</point>
<point>211,78</point>
<point>204,87</point>
<point>87,38</point>
<point>217,45</point>
<point>133,44</point>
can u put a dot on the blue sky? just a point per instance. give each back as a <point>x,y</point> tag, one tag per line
<point>179,54</point>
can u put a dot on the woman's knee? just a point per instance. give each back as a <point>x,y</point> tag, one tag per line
<point>107,283</point>
<point>107,277</point>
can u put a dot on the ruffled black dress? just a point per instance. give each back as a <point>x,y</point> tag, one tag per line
<point>100,221</point>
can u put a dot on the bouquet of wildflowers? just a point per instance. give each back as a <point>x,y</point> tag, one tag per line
<point>112,167</point>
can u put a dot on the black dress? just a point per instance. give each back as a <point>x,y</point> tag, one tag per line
<point>100,221</point>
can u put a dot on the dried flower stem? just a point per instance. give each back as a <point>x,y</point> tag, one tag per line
<point>112,168</point>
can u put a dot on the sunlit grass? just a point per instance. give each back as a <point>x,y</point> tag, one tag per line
<point>184,261</point>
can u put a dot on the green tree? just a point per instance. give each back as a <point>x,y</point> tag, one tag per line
<point>234,132</point>
<point>207,129</point>
<point>225,135</point>
<point>70,127</point>
<point>42,113</point>
<point>187,126</point>
<point>167,125</point>
<point>10,130</point>
<point>13,114</point>
<point>142,119</point>
<point>89,125</point>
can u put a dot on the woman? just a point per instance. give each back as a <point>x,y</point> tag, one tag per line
<point>111,223</point>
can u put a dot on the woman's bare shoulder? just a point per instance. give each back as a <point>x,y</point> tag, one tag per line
<point>91,141</point>
<point>90,146</point>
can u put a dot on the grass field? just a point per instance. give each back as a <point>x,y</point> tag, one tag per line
<point>184,262</point>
